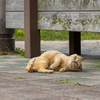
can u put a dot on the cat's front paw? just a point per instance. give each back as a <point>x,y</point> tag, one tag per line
<point>62,70</point>
<point>51,67</point>
<point>50,71</point>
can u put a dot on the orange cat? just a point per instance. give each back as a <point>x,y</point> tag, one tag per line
<point>54,61</point>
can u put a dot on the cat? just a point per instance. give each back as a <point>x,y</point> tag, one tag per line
<point>51,61</point>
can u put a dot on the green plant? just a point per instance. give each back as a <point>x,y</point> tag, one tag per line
<point>77,83</point>
<point>14,73</point>
<point>7,52</point>
<point>61,77</point>
<point>43,51</point>
<point>19,77</point>
<point>19,34</point>
<point>63,80</point>
<point>20,51</point>
<point>5,57</point>
<point>84,84</point>
<point>86,66</point>
<point>97,65</point>
<point>54,35</point>
<point>57,35</point>
<point>90,36</point>
<point>67,81</point>
<point>8,49</point>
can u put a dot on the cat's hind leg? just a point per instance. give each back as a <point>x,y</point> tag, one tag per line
<point>56,63</point>
<point>43,65</point>
<point>30,66</point>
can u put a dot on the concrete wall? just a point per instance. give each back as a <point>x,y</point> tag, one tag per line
<point>70,15</point>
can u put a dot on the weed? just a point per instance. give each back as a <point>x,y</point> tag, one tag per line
<point>5,57</point>
<point>14,73</point>
<point>86,66</point>
<point>61,80</point>
<point>19,77</point>
<point>67,81</point>
<point>8,51</point>
<point>43,51</point>
<point>84,85</point>
<point>77,83</point>
<point>19,34</point>
<point>97,65</point>
<point>20,51</point>
<point>61,77</point>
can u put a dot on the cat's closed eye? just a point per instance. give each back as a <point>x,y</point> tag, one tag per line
<point>75,58</point>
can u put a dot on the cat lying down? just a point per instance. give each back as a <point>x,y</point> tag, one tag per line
<point>54,61</point>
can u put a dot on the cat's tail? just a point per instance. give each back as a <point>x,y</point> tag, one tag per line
<point>30,65</point>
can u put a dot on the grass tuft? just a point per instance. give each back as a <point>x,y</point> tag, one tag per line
<point>19,77</point>
<point>67,81</point>
<point>5,57</point>
<point>97,65</point>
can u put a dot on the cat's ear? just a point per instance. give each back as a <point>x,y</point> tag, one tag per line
<point>81,58</point>
<point>75,56</point>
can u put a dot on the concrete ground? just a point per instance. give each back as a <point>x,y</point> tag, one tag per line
<point>16,84</point>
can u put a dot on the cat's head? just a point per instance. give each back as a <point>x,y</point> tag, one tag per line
<point>75,62</point>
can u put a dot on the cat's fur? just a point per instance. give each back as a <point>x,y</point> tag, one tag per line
<point>54,61</point>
